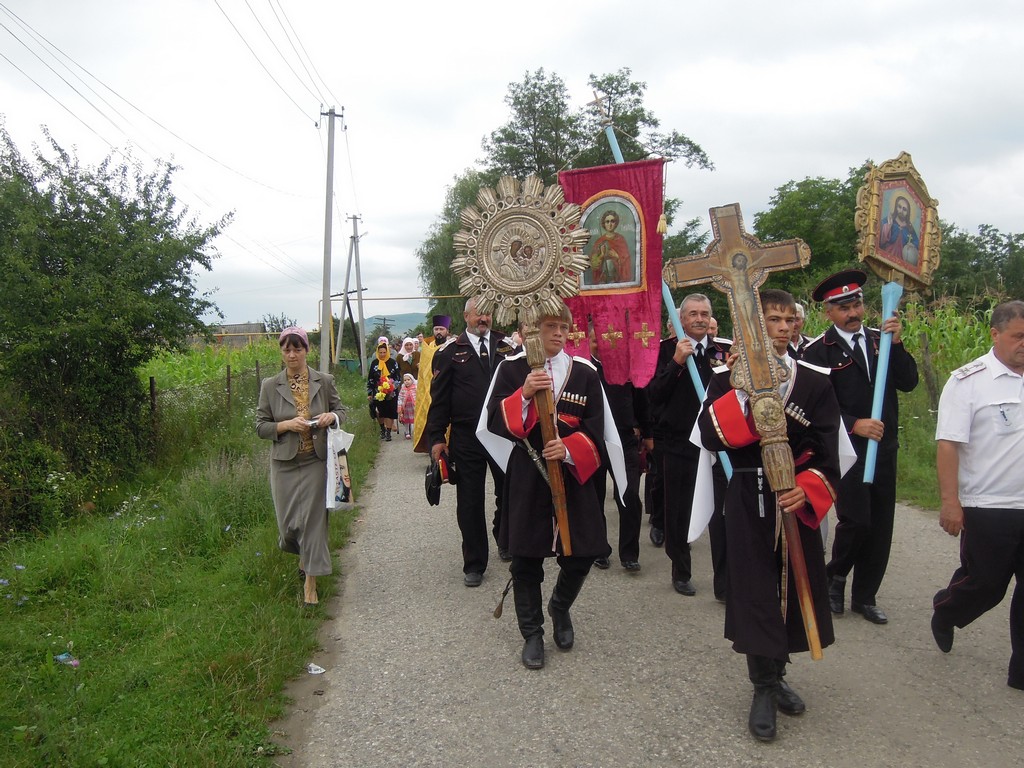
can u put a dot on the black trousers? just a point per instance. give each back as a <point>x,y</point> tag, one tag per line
<point>991,552</point>
<point>530,570</point>
<point>716,533</point>
<point>472,463</point>
<point>864,531</point>
<point>678,477</point>
<point>631,512</point>
<point>654,492</point>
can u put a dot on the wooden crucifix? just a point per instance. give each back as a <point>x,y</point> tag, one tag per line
<point>736,263</point>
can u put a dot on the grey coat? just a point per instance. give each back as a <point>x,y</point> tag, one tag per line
<point>277,404</point>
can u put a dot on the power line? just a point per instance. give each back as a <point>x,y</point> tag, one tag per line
<point>278,258</point>
<point>258,60</point>
<point>351,171</point>
<point>259,258</point>
<point>295,50</point>
<point>283,58</point>
<point>63,79</point>
<point>308,58</point>
<point>39,37</point>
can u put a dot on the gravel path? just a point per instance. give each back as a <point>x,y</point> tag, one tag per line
<point>419,673</point>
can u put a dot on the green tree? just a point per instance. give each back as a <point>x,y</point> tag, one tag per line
<point>622,103</point>
<point>97,269</point>
<point>980,270</point>
<point>437,251</point>
<point>542,135</point>
<point>819,211</point>
<point>277,323</point>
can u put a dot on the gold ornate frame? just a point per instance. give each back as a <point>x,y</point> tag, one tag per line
<point>898,177</point>
<point>520,250</point>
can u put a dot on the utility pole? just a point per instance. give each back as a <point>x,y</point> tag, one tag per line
<point>384,322</point>
<point>326,320</point>
<point>361,338</point>
<point>344,293</point>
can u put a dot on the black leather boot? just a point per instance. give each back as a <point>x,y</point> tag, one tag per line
<point>567,588</point>
<point>837,595</point>
<point>790,702</point>
<point>765,677</point>
<point>530,614</point>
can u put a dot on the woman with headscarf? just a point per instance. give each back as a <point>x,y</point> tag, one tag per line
<point>295,408</point>
<point>408,358</point>
<point>382,388</point>
<point>407,404</point>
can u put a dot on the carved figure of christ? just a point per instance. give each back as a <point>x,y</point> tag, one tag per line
<point>736,263</point>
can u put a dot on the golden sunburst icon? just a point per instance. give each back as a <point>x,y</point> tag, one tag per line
<point>520,250</point>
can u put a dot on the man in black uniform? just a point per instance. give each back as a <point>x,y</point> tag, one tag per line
<point>757,555</point>
<point>462,371</point>
<point>629,408</point>
<point>865,511</point>
<point>583,445</point>
<point>676,402</point>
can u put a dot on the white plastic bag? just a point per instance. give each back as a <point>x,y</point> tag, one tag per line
<point>339,483</point>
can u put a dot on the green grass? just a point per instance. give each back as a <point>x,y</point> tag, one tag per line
<point>916,482</point>
<point>186,619</point>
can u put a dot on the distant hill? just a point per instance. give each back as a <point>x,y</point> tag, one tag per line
<point>399,325</point>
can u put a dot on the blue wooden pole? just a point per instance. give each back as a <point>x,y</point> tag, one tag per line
<point>614,142</point>
<point>891,294</point>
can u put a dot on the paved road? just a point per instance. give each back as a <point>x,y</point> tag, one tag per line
<point>419,673</point>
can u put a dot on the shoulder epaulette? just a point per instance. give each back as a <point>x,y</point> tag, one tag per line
<point>722,340</point>
<point>969,370</point>
<point>720,368</point>
<point>813,367</point>
<point>451,340</point>
<point>585,361</point>
<point>517,355</point>
<point>816,339</point>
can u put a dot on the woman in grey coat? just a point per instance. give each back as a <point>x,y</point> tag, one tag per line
<point>296,406</point>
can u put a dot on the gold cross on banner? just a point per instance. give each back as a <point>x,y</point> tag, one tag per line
<point>577,335</point>
<point>611,336</point>
<point>643,334</point>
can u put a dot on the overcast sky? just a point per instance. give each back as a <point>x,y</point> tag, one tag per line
<point>771,91</point>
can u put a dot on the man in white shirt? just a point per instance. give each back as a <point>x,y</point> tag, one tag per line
<point>980,436</point>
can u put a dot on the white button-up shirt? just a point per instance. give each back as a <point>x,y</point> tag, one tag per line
<point>983,413</point>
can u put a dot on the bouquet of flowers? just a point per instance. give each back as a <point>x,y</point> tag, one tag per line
<point>385,389</point>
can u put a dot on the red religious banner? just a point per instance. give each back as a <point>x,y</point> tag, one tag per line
<point>620,291</point>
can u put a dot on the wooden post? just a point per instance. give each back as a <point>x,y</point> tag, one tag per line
<point>549,431</point>
<point>152,416</point>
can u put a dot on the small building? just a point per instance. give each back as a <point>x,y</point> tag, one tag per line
<point>240,334</point>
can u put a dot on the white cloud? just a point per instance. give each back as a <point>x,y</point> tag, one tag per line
<point>772,91</point>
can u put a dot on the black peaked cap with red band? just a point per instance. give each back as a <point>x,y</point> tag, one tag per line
<point>842,287</point>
